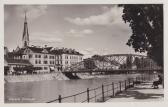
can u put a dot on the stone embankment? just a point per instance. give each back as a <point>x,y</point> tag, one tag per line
<point>35,77</point>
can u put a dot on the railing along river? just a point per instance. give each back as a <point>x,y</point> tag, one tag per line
<point>103,92</point>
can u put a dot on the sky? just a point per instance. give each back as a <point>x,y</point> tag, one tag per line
<point>90,29</point>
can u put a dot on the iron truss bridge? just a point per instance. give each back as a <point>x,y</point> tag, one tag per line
<point>114,63</point>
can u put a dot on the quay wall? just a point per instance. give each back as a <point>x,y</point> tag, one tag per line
<point>35,77</point>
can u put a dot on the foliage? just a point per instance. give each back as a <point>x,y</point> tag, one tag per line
<point>89,64</point>
<point>6,70</point>
<point>137,62</point>
<point>129,62</point>
<point>98,57</point>
<point>146,22</point>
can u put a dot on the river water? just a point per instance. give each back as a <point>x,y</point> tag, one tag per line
<point>44,91</point>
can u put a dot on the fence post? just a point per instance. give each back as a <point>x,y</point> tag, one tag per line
<point>125,85</point>
<point>120,86</point>
<point>113,88</point>
<point>133,82</point>
<point>129,83</point>
<point>88,95</point>
<point>59,98</point>
<point>103,92</point>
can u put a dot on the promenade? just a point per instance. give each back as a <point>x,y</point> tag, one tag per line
<point>141,92</point>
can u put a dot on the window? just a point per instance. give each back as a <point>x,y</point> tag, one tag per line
<point>51,62</point>
<point>66,57</point>
<point>45,62</point>
<point>66,62</point>
<point>39,62</point>
<point>36,62</point>
<point>45,56</point>
<point>51,57</point>
<point>36,56</point>
<point>45,68</point>
<point>30,56</point>
<point>39,56</point>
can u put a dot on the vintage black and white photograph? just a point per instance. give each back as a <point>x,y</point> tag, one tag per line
<point>83,53</point>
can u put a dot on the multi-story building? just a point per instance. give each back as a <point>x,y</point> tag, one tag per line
<point>47,58</point>
<point>66,57</point>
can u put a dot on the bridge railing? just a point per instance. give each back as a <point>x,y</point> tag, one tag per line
<point>103,92</point>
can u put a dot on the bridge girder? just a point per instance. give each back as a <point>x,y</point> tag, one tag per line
<point>113,59</point>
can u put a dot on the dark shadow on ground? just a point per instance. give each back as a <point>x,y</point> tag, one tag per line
<point>138,95</point>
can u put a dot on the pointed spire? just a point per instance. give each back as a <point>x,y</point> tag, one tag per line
<point>25,17</point>
<point>25,38</point>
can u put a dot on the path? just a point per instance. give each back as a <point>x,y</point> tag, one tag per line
<point>142,92</point>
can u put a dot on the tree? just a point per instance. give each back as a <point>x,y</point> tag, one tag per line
<point>129,62</point>
<point>89,64</point>
<point>146,22</point>
<point>137,62</point>
<point>6,70</point>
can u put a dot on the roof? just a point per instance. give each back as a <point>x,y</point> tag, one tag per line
<point>49,49</point>
<point>66,51</point>
<point>12,54</point>
<point>17,61</point>
<point>19,52</point>
<point>36,49</point>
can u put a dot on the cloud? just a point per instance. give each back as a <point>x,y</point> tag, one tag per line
<point>108,17</point>
<point>77,33</point>
<point>32,11</point>
<point>91,51</point>
<point>45,37</point>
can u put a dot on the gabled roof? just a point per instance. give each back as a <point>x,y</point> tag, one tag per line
<point>34,49</point>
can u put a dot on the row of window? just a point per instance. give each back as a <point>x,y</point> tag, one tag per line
<point>58,62</point>
<point>72,57</point>
<point>46,56</point>
<point>44,62</point>
<point>66,62</point>
<point>39,56</point>
<point>56,57</point>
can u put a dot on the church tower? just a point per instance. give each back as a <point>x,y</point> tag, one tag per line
<point>25,38</point>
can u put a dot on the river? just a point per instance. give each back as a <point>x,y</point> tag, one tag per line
<point>43,91</point>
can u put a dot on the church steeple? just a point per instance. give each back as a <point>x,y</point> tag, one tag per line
<point>25,38</point>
